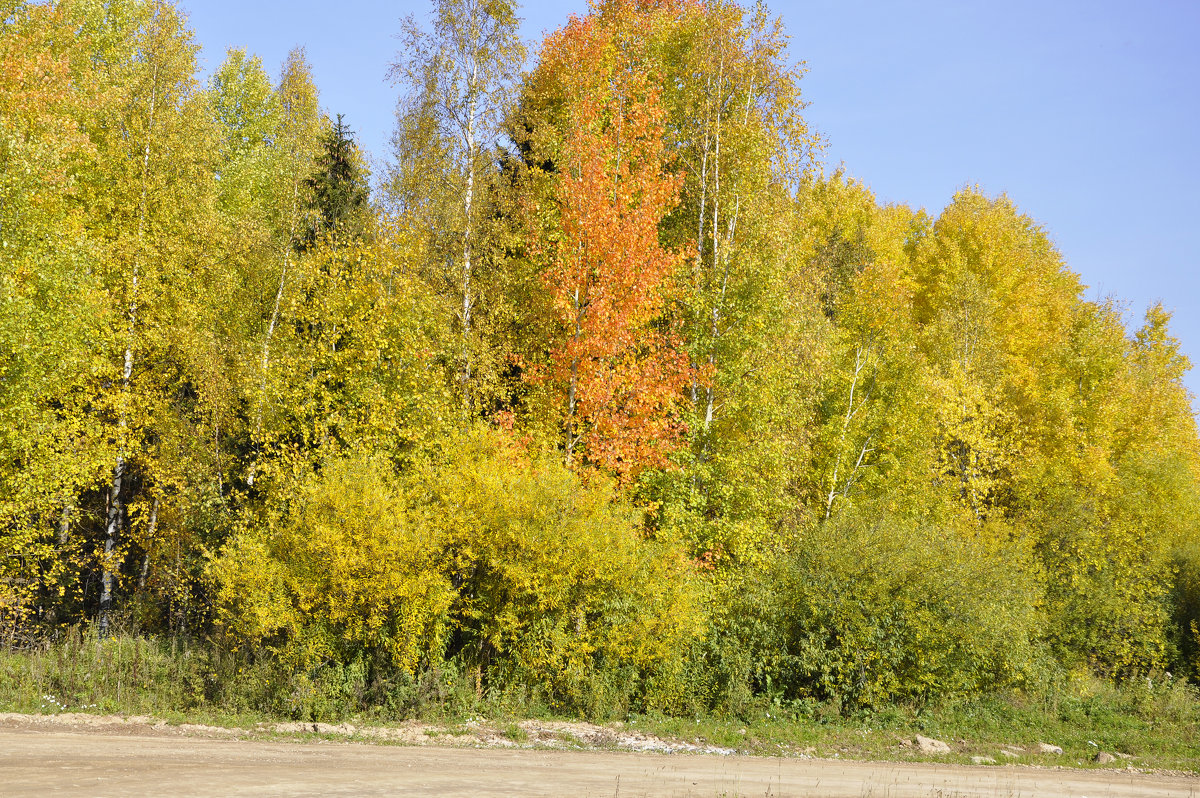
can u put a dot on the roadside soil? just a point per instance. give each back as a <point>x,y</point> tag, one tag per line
<point>114,756</point>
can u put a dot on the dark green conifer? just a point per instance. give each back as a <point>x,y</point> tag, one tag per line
<point>339,187</point>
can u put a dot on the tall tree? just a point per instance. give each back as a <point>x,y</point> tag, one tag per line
<point>151,202</point>
<point>737,140</point>
<point>457,78</point>
<point>292,157</point>
<point>609,275</point>
<point>991,296</point>
<point>52,308</point>
<point>339,187</point>
<point>869,414</point>
<point>355,368</point>
<point>735,119</point>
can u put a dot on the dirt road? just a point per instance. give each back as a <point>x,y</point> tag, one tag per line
<point>40,762</point>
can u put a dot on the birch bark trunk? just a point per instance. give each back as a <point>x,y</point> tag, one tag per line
<point>471,156</point>
<point>116,507</point>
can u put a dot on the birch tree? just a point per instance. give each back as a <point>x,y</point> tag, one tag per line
<point>738,129</point>
<point>296,143</point>
<point>457,79</point>
<point>735,134</point>
<point>50,310</point>
<point>150,201</point>
<point>869,419</point>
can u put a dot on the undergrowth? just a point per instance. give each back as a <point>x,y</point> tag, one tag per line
<point>1156,723</point>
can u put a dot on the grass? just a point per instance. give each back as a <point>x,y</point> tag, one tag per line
<point>1158,724</point>
<point>514,732</point>
<point>119,673</point>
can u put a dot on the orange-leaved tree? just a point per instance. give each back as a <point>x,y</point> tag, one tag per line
<point>622,366</point>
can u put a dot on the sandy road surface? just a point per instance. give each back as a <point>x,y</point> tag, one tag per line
<point>39,762</point>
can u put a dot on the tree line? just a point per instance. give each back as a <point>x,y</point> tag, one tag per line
<point>607,391</point>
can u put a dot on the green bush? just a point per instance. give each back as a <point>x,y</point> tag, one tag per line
<point>874,607</point>
<point>1186,610</point>
<point>1107,550</point>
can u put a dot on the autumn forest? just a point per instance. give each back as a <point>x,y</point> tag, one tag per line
<point>603,391</point>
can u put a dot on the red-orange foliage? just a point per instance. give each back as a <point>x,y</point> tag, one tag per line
<point>623,369</point>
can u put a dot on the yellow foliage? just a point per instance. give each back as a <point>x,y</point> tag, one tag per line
<point>338,570</point>
<point>555,579</point>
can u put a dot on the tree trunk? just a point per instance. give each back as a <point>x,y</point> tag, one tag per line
<point>851,411</point>
<point>64,523</point>
<point>149,539</point>
<point>266,351</point>
<point>116,505</point>
<point>571,398</point>
<point>467,245</point>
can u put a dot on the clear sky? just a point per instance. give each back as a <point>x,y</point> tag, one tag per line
<point>1087,114</point>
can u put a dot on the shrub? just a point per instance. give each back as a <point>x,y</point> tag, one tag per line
<point>874,606</point>
<point>336,574</point>
<point>1186,609</point>
<point>1107,550</point>
<point>490,563</point>
<point>556,587</point>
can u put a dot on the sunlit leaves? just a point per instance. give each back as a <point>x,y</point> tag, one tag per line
<point>609,276</point>
<point>899,455</point>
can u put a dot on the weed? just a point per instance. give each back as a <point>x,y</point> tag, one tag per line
<point>514,732</point>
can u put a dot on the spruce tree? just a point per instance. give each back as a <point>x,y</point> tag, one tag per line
<point>339,187</point>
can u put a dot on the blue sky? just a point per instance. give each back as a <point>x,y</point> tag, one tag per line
<point>1085,113</point>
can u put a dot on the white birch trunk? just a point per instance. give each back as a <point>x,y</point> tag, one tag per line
<point>468,200</point>
<point>572,438</point>
<point>116,507</point>
<point>851,411</point>
<point>266,350</point>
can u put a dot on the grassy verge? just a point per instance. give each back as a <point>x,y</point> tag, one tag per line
<point>119,675</point>
<point>1147,727</point>
<point>1154,726</point>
